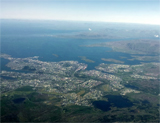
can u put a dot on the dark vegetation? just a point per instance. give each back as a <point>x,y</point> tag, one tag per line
<point>149,86</point>
<point>42,107</point>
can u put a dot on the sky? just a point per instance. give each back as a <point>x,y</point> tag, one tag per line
<point>126,11</point>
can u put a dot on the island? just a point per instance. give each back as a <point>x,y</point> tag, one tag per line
<point>145,58</point>
<point>85,59</point>
<point>122,57</point>
<point>55,55</point>
<point>112,60</point>
<point>147,47</point>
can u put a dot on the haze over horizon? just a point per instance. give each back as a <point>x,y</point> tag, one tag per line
<point>121,11</point>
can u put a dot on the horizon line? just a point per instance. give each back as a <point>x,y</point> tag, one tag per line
<point>77,21</point>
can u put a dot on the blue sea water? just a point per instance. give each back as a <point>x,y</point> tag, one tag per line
<point>66,49</point>
<point>23,41</point>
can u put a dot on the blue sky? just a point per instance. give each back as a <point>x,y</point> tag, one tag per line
<point>130,11</point>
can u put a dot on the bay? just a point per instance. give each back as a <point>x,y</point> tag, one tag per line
<point>28,39</point>
<point>65,48</point>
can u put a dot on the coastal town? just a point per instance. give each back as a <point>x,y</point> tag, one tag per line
<point>69,79</point>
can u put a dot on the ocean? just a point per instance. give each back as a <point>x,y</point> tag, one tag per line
<point>27,41</point>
